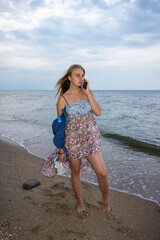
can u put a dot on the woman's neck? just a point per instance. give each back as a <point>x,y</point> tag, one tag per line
<point>74,90</point>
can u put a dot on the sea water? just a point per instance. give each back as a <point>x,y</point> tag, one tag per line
<point>129,126</point>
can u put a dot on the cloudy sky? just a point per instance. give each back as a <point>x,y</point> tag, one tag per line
<point>116,41</point>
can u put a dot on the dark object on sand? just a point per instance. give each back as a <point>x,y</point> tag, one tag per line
<point>31,184</point>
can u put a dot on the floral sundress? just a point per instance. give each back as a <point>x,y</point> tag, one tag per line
<point>82,136</point>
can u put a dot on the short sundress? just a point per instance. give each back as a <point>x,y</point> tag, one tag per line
<point>82,136</point>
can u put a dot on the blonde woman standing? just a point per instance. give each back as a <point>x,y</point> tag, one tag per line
<point>82,137</point>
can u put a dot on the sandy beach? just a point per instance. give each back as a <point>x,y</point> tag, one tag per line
<point>47,211</point>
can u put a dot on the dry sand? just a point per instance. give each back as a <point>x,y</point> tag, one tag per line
<point>48,211</point>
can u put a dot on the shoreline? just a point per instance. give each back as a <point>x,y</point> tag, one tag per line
<point>3,138</point>
<point>48,211</point>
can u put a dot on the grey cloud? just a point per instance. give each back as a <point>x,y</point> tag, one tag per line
<point>114,22</point>
<point>151,5</point>
<point>84,35</point>
<point>36,3</point>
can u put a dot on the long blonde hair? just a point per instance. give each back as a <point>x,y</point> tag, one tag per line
<point>63,83</point>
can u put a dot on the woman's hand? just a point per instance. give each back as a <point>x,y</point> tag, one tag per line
<point>62,157</point>
<point>94,105</point>
<point>86,91</point>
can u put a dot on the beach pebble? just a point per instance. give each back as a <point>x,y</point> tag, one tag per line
<point>31,184</point>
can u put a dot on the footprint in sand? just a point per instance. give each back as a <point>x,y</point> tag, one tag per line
<point>58,190</point>
<point>61,186</point>
<point>56,194</point>
<point>49,193</point>
<point>53,207</point>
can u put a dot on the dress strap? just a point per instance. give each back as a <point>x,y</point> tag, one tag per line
<point>65,99</point>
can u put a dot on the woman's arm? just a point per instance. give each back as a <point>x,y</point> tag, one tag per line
<point>94,105</point>
<point>60,105</point>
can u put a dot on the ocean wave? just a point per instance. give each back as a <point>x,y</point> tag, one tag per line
<point>135,144</point>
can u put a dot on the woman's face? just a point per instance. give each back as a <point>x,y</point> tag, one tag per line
<point>77,76</point>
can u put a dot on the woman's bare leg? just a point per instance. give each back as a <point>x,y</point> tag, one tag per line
<point>99,167</point>
<point>75,177</point>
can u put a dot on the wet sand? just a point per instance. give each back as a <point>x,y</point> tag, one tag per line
<point>47,211</point>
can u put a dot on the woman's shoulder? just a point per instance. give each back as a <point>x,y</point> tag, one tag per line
<point>60,100</point>
<point>61,103</point>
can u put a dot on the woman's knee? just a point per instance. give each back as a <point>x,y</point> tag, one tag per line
<point>75,167</point>
<point>75,172</point>
<point>102,174</point>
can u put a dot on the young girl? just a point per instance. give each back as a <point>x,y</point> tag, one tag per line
<point>82,137</point>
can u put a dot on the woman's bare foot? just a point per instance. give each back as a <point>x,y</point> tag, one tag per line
<point>107,208</point>
<point>82,211</point>
<point>80,208</point>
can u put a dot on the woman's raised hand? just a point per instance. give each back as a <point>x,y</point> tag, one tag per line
<point>86,91</point>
